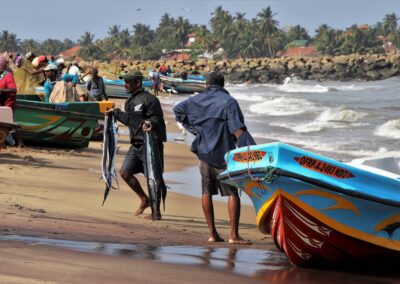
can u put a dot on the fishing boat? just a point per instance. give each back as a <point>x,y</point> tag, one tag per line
<point>319,211</point>
<point>6,124</point>
<point>183,86</point>
<point>69,124</point>
<point>116,88</point>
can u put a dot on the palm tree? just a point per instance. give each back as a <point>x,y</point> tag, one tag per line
<point>390,23</point>
<point>9,41</point>
<point>297,33</point>
<point>142,36</point>
<point>203,37</point>
<point>182,27</point>
<point>86,39</point>
<point>29,45</point>
<point>268,27</point>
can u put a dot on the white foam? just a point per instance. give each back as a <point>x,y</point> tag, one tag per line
<point>282,106</point>
<point>248,97</point>
<point>390,129</point>
<point>341,114</point>
<point>295,86</point>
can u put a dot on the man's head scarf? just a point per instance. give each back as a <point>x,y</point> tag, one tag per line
<point>3,62</point>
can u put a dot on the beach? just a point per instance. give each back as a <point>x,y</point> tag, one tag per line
<point>56,194</point>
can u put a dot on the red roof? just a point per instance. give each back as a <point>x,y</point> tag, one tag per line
<point>70,52</point>
<point>191,35</point>
<point>301,51</point>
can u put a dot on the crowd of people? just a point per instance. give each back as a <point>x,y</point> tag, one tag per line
<point>219,129</point>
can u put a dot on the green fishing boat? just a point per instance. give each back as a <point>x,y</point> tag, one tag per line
<point>69,124</point>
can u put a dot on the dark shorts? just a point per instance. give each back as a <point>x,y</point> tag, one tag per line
<point>210,184</point>
<point>135,159</point>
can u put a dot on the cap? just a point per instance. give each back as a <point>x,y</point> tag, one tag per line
<point>50,67</point>
<point>60,61</point>
<point>131,76</point>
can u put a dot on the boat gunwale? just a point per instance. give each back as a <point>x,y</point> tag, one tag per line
<point>312,181</point>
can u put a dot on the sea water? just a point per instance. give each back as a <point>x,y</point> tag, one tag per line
<point>341,120</point>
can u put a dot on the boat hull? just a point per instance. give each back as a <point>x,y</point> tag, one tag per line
<point>116,88</point>
<point>311,221</point>
<point>60,125</point>
<point>189,86</point>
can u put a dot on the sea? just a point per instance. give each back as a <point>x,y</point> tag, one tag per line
<point>345,121</point>
<point>341,120</point>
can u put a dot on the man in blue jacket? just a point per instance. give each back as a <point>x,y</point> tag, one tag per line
<point>216,120</point>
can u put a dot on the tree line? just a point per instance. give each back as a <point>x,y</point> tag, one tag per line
<point>238,36</point>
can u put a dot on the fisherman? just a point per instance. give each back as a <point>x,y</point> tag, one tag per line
<point>39,63</point>
<point>155,78</point>
<point>142,113</point>
<point>96,87</point>
<point>8,91</point>
<point>51,79</point>
<point>216,120</point>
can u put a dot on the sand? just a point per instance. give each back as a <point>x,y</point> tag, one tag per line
<point>56,193</point>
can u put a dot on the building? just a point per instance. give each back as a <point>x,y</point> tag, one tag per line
<point>299,52</point>
<point>177,54</point>
<point>191,38</point>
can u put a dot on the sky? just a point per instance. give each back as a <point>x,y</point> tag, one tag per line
<point>42,19</point>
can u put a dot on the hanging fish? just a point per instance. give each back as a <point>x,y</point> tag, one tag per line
<point>110,140</point>
<point>155,181</point>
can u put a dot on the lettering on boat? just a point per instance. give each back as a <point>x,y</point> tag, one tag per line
<point>249,156</point>
<point>323,167</point>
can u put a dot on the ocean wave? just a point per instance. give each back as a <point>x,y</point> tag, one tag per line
<point>283,106</point>
<point>341,115</point>
<point>248,97</point>
<point>390,129</point>
<point>295,86</point>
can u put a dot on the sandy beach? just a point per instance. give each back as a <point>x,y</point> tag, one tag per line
<point>56,194</point>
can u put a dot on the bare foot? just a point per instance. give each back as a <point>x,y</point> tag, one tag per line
<point>150,217</point>
<point>142,207</point>
<point>215,239</point>
<point>239,241</point>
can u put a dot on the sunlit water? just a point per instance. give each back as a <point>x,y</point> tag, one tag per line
<point>342,120</point>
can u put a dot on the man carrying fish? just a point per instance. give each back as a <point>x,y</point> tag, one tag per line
<point>142,114</point>
<point>216,120</point>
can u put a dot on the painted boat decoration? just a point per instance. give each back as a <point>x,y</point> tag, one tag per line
<point>116,88</point>
<point>179,85</point>
<point>317,210</point>
<point>57,124</point>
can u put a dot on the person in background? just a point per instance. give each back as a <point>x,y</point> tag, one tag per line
<point>163,70</point>
<point>39,63</point>
<point>18,60</point>
<point>8,88</point>
<point>74,69</point>
<point>96,87</point>
<point>155,78</point>
<point>216,120</point>
<point>142,113</point>
<point>52,60</point>
<point>8,91</point>
<point>184,75</point>
<point>169,70</point>
<point>61,65</point>
<point>51,79</point>
<point>30,56</point>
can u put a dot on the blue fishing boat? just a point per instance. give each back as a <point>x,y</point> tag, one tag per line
<point>319,211</point>
<point>116,88</point>
<point>179,85</point>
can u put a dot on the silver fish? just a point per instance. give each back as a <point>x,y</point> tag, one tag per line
<point>155,182</point>
<point>110,148</point>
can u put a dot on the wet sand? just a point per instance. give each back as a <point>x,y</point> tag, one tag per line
<point>56,193</point>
